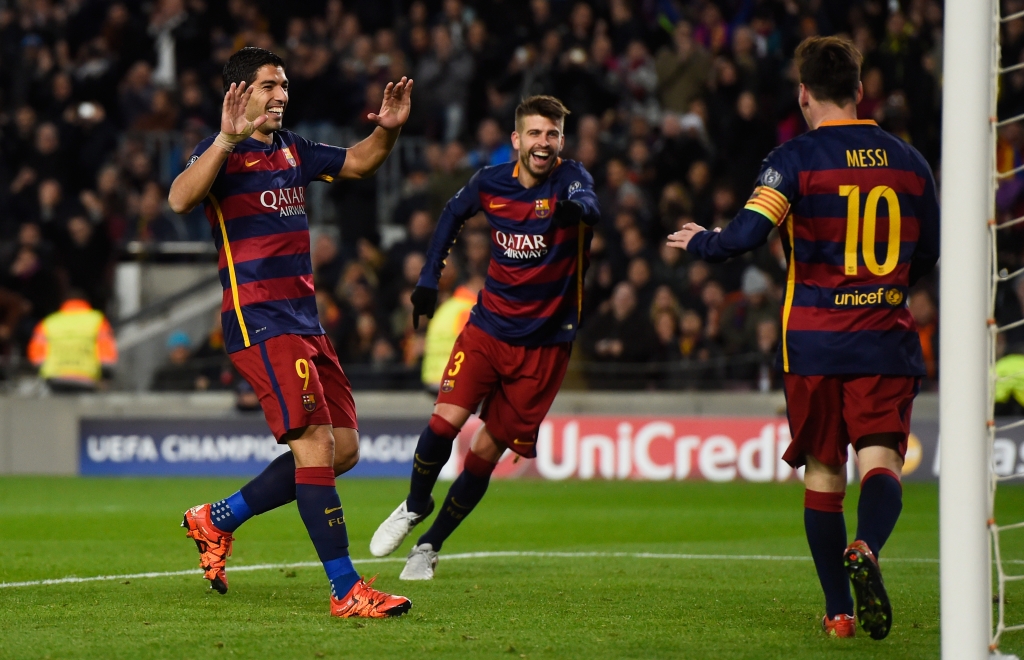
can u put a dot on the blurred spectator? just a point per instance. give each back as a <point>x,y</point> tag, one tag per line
<point>667,348</point>
<point>161,116</point>
<point>494,147</point>
<point>417,239</point>
<point>740,319</point>
<point>696,351</point>
<point>84,253</point>
<point>95,138</point>
<point>179,374</point>
<point>136,94</point>
<point>152,221</point>
<point>12,308</point>
<point>448,176</point>
<point>216,370</point>
<point>32,279</point>
<point>245,398</point>
<point>443,77</point>
<point>683,70</point>
<point>327,262</point>
<point>621,336</point>
<point>74,348</point>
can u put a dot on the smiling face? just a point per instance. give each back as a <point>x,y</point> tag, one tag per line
<point>538,140</point>
<point>269,97</point>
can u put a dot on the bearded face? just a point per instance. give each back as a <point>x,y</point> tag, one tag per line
<point>538,140</point>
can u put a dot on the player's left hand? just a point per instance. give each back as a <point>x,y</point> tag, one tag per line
<point>394,110</point>
<point>681,238</point>
<point>567,213</point>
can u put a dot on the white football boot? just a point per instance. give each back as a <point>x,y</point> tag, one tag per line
<point>395,528</point>
<point>420,564</point>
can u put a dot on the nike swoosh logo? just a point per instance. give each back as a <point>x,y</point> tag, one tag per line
<point>248,164</point>
<point>337,508</point>
<point>517,441</point>
<point>426,462</point>
<point>497,206</point>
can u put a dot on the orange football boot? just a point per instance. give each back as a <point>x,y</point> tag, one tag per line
<point>841,625</point>
<point>214,545</point>
<point>364,601</point>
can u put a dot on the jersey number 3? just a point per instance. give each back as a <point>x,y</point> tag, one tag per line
<point>892,252</point>
<point>457,363</point>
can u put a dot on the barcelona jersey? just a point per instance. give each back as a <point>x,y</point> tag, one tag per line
<point>257,214</point>
<point>534,288</point>
<point>859,219</point>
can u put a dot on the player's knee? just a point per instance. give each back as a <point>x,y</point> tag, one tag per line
<point>456,416</point>
<point>345,458</point>
<point>486,446</point>
<point>346,449</point>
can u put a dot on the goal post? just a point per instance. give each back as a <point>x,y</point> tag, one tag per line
<point>967,199</point>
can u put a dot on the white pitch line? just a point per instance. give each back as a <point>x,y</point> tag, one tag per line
<point>458,556</point>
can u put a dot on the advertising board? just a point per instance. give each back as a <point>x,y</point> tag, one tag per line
<point>660,448</point>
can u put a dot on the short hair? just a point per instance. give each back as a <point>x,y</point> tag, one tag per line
<point>545,106</point>
<point>829,68</point>
<point>244,64</point>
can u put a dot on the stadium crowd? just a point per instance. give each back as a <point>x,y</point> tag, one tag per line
<point>674,104</point>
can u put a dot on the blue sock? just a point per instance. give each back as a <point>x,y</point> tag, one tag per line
<point>229,514</point>
<point>465,493</point>
<point>320,508</point>
<point>879,507</point>
<point>273,487</point>
<point>826,535</point>
<point>432,452</point>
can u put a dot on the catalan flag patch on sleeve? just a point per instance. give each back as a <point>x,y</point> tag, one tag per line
<point>770,203</point>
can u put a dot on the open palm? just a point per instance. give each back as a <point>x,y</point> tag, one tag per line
<point>232,117</point>
<point>394,111</point>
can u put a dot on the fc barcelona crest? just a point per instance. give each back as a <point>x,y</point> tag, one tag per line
<point>288,156</point>
<point>542,208</point>
<point>309,402</point>
<point>448,384</point>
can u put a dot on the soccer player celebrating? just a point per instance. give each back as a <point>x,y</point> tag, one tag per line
<point>512,354</point>
<point>859,219</point>
<point>251,179</point>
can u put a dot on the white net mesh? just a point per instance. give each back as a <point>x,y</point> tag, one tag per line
<point>999,276</point>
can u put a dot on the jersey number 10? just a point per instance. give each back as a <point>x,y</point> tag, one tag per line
<point>892,252</point>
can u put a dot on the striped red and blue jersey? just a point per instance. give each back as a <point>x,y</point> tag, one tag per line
<point>257,214</point>
<point>534,288</point>
<point>859,219</point>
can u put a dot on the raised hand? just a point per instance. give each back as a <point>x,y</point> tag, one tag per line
<point>394,110</point>
<point>235,126</point>
<point>681,238</point>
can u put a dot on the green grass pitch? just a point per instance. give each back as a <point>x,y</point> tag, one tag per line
<point>497,607</point>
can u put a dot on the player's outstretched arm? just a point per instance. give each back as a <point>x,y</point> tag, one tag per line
<point>364,158</point>
<point>193,185</point>
<point>464,205</point>
<point>748,230</point>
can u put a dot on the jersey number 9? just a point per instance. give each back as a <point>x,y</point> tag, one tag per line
<point>302,369</point>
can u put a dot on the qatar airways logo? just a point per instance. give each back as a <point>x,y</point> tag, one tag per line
<point>522,246</point>
<point>288,201</point>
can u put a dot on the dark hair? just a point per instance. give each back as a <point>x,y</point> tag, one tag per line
<point>244,64</point>
<point>829,68</point>
<point>545,106</point>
